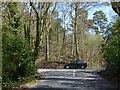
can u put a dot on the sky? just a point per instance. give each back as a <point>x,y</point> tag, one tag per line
<point>106,9</point>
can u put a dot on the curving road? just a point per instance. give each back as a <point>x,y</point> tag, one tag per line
<point>72,79</point>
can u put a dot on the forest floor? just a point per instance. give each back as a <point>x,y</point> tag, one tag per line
<point>115,81</point>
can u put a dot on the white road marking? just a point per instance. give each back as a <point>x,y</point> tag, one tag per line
<point>74,73</point>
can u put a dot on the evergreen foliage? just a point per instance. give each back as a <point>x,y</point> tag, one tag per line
<point>112,49</point>
<point>17,56</point>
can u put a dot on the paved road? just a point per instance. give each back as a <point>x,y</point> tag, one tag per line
<point>72,79</point>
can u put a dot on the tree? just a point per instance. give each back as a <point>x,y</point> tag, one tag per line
<point>40,23</point>
<point>17,57</point>
<point>37,41</point>
<point>100,22</point>
<point>64,17</point>
<point>112,49</point>
<point>48,25</point>
<point>75,7</point>
<point>78,21</point>
<point>13,17</point>
<point>116,6</point>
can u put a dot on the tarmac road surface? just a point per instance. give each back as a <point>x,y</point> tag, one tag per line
<point>72,79</point>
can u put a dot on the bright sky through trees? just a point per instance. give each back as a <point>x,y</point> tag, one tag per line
<point>106,9</point>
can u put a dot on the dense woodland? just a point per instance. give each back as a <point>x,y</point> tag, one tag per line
<point>49,31</point>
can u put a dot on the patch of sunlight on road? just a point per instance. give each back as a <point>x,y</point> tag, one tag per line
<point>44,70</point>
<point>87,78</point>
<point>66,81</point>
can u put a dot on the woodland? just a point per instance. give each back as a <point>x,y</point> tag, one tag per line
<point>34,33</point>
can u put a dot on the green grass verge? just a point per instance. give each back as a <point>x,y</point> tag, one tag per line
<point>23,83</point>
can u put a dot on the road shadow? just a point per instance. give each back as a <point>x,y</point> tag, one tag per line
<point>90,82</point>
<point>50,88</point>
<point>73,84</point>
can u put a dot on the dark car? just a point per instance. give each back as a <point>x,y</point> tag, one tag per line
<point>76,65</point>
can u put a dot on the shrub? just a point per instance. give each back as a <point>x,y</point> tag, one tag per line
<point>17,58</point>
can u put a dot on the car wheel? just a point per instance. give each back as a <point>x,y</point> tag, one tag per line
<point>67,67</point>
<point>83,67</point>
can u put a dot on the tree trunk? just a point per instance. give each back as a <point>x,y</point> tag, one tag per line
<point>25,31</point>
<point>116,7</point>
<point>63,43</point>
<point>57,36</point>
<point>37,41</point>
<point>75,35</point>
<point>72,52</point>
<point>47,28</point>
<point>47,48</point>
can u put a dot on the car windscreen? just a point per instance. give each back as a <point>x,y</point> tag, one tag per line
<point>77,62</point>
